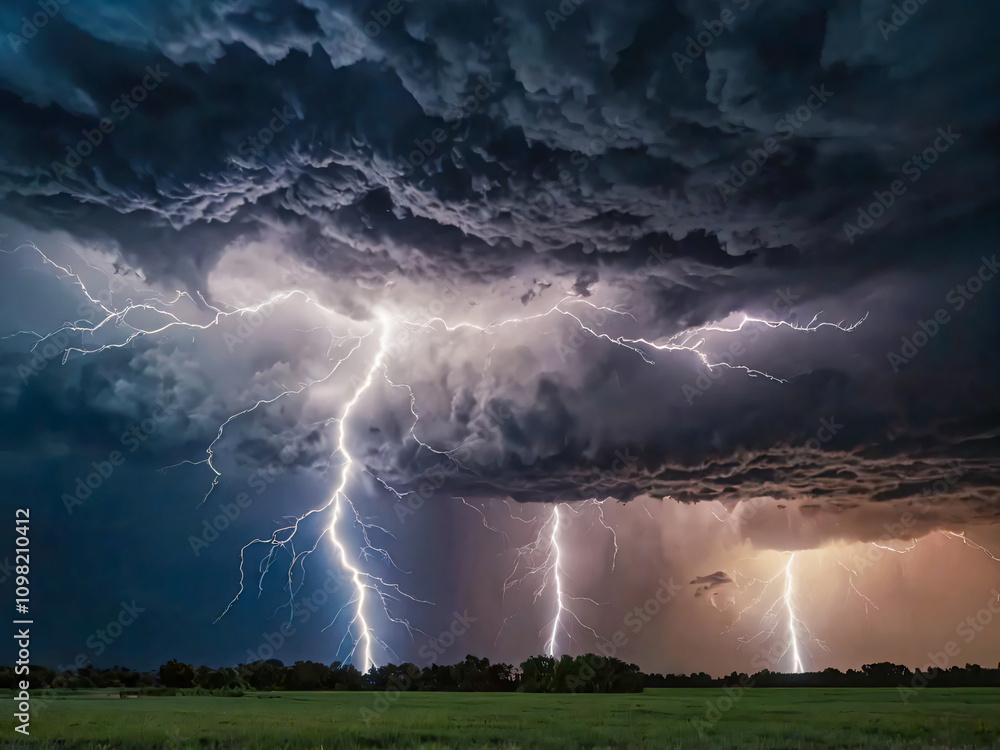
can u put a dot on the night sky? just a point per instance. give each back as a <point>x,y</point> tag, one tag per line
<point>686,310</point>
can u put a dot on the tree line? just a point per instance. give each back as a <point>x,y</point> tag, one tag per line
<point>588,673</point>
<point>880,674</point>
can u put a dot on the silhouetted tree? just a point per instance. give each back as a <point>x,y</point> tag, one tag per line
<point>175,674</point>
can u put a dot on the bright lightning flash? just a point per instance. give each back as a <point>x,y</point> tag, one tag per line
<point>557,579</point>
<point>340,499</point>
<point>789,596</point>
<point>548,545</point>
<point>782,609</point>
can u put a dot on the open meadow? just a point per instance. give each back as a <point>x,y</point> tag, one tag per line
<point>658,718</point>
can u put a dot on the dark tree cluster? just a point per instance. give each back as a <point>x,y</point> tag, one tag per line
<point>588,673</point>
<point>881,674</point>
<point>543,674</point>
<point>86,677</point>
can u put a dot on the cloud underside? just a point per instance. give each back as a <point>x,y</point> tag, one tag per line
<point>516,158</point>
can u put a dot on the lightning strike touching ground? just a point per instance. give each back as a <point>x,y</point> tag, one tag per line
<point>548,545</point>
<point>340,498</point>
<point>793,636</point>
<point>773,618</point>
<point>557,579</point>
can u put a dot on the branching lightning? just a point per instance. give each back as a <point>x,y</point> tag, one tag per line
<point>548,545</point>
<point>339,499</point>
<point>968,542</point>
<point>782,611</point>
<point>668,343</point>
<point>853,574</point>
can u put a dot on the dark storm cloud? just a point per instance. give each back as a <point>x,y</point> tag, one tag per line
<point>709,582</point>
<point>511,146</point>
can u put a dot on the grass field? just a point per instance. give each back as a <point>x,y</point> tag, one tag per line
<point>760,719</point>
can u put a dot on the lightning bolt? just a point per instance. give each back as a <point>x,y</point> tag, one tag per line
<point>968,542</point>
<point>557,579</point>
<point>788,597</point>
<point>668,343</point>
<point>599,504</point>
<point>547,544</point>
<point>781,610</point>
<point>262,402</point>
<point>340,499</point>
<point>852,574</point>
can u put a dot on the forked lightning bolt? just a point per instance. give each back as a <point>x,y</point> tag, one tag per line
<point>960,535</point>
<point>340,499</point>
<point>550,572</point>
<point>782,610</point>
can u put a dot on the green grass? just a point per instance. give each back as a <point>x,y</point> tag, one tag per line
<point>762,719</point>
